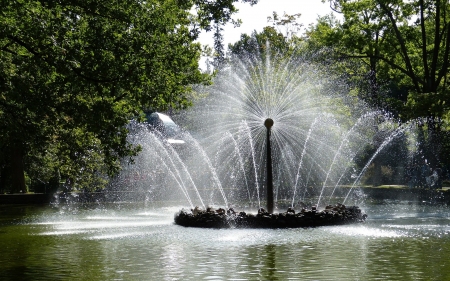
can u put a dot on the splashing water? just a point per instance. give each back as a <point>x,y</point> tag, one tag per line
<point>313,134</point>
<point>317,135</point>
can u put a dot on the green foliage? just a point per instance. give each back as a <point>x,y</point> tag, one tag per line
<point>73,73</point>
<point>269,41</point>
<point>426,104</point>
<point>402,49</point>
<point>403,45</point>
<point>289,24</point>
<point>279,40</point>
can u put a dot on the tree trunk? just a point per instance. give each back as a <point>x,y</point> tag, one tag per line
<point>17,171</point>
<point>2,179</point>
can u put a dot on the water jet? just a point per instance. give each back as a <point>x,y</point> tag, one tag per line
<point>211,218</point>
<point>316,130</point>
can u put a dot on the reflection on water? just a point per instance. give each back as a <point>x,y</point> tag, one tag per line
<point>138,242</point>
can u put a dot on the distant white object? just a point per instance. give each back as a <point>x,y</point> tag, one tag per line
<point>172,141</point>
<point>166,127</point>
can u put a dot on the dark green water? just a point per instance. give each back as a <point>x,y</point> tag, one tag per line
<point>139,242</point>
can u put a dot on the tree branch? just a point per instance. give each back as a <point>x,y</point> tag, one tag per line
<point>424,45</point>
<point>409,71</point>
<point>23,44</point>
<point>444,69</point>
<point>388,61</point>
<point>437,45</point>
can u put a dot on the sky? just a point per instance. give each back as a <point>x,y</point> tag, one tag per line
<point>255,17</point>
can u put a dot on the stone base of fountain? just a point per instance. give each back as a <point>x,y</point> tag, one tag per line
<point>332,215</point>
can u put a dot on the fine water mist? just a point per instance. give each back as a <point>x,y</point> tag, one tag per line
<point>320,131</point>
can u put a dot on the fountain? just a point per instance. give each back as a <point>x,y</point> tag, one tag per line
<point>220,218</point>
<point>313,153</point>
<point>316,139</point>
<point>314,131</point>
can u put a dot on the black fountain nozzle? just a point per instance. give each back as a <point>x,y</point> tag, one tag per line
<point>268,123</point>
<point>270,202</point>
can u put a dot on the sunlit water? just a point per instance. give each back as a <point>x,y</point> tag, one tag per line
<point>138,242</point>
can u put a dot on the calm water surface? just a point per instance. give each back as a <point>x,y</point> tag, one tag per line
<point>139,242</point>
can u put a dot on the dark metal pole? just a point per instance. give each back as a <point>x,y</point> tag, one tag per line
<point>269,123</point>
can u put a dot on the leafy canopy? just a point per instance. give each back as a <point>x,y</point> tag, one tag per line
<point>403,43</point>
<point>72,74</point>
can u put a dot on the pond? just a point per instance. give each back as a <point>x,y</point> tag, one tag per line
<point>399,241</point>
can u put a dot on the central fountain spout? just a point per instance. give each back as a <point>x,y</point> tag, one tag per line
<point>269,176</point>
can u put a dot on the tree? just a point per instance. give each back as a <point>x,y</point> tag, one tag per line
<point>403,43</point>
<point>73,73</point>
<point>280,38</point>
<point>266,42</point>
<point>288,24</point>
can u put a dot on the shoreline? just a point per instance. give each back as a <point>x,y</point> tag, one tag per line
<point>392,192</point>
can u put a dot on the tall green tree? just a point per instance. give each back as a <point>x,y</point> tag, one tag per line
<point>280,38</point>
<point>72,74</point>
<point>403,43</point>
<point>406,42</point>
<point>266,42</point>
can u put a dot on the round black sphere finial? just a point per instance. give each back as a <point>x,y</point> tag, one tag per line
<point>268,123</point>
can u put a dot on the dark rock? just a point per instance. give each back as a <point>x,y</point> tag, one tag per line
<point>332,215</point>
<point>262,211</point>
